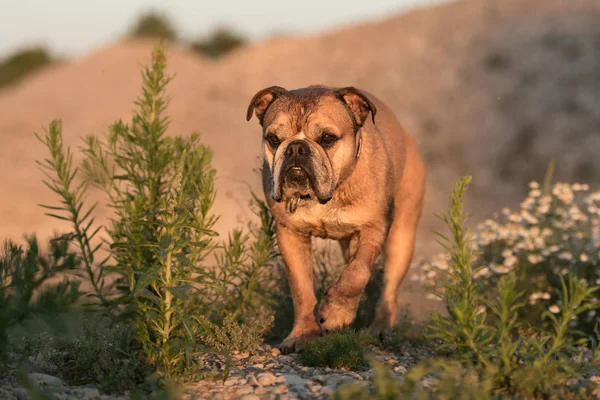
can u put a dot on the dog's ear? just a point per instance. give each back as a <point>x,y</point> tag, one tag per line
<point>358,102</point>
<point>262,100</point>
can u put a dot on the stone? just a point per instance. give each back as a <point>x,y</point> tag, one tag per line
<point>250,397</point>
<point>266,379</point>
<point>275,352</point>
<point>279,389</point>
<point>231,381</point>
<point>242,390</point>
<point>45,380</point>
<point>327,390</point>
<point>87,394</point>
<point>400,370</point>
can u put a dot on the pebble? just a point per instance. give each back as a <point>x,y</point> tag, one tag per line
<point>263,374</point>
<point>45,380</point>
<point>230,381</point>
<point>266,379</point>
<point>399,369</point>
<point>250,397</point>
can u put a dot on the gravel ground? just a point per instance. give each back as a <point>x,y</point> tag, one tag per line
<point>264,374</point>
<point>268,374</point>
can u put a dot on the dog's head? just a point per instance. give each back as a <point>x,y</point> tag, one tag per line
<point>311,137</point>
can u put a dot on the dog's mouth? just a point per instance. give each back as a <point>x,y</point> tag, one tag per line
<point>297,184</point>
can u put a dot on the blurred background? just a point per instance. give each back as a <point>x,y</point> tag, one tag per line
<point>496,89</point>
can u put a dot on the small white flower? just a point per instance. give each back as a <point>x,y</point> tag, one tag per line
<point>507,253</point>
<point>534,185</point>
<point>499,269</point>
<point>485,271</point>
<point>565,255</point>
<point>510,261</point>
<point>514,217</point>
<point>583,257</point>
<point>534,258</point>
<point>554,309</point>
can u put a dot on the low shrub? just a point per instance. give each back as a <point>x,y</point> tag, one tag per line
<point>32,284</point>
<point>344,349</point>
<point>555,233</point>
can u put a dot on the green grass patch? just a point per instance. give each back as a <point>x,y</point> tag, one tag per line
<point>344,349</point>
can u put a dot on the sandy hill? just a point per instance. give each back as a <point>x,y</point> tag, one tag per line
<point>494,89</point>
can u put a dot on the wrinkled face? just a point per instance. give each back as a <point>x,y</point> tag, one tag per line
<point>309,147</point>
<point>310,138</point>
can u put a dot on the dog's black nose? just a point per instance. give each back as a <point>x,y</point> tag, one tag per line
<point>297,148</point>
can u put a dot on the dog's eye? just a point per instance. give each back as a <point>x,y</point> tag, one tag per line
<point>327,139</point>
<point>273,141</point>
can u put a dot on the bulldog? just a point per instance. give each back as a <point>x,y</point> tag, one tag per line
<point>339,165</point>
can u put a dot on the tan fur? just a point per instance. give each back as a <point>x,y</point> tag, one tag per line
<point>375,205</point>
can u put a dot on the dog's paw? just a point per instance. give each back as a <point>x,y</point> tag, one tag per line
<point>296,342</point>
<point>337,313</point>
<point>380,330</point>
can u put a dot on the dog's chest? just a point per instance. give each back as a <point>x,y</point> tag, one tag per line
<point>324,222</point>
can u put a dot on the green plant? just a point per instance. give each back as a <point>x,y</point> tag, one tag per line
<point>26,290</point>
<point>500,353</point>
<point>101,355</point>
<point>61,178</point>
<point>343,349</point>
<point>385,386</point>
<point>161,237</point>
<point>556,232</point>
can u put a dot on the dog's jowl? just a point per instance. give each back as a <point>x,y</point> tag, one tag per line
<point>338,165</point>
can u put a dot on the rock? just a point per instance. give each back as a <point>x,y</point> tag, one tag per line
<point>294,380</point>
<point>45,380</point>
<point>400,370</point>
<point>327,390</point>
<point>260,390</point>
<point>87,394</point>
<point>279,389</point>
<point>258,366</point>
<point>250,397</point>
<point>275,352</point>
<point>231,381</point>
<point>252,380</point>
<point>367,375</point>
<point>243,390</point>
<point>266,379</point>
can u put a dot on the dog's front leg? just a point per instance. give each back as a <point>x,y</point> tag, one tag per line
<point>296,250</point>
<point>339,307</point>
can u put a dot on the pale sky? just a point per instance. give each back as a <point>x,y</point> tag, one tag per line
<point>72,27</point>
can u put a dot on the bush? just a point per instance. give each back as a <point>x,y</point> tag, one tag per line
<point>161,238</point>
<point>501,354</point>
<point>26,290</point>
<point>22,63</point>
<point>219,43</point>
<point>153,25</point>
<point>100,355</point>
<point>555,232</point>
<point>343,349</point>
